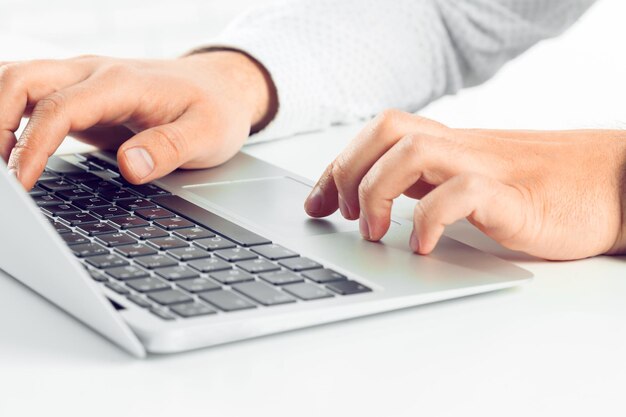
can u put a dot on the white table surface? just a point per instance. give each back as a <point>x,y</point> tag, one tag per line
<point>554,347</point>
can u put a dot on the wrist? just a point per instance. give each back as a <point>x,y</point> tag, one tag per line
<point>250,81</point>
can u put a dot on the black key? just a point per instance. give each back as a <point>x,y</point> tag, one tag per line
<point>174,223</point>
<point>37,191</point>
<point>148,284</point>
<point>154,213</point>
<point>299,264</point>
<point>189,253</point>
<point>231,276</point>
<point>90,203</point>
<point>47,200</point>
<point>155,261</point>
<point>209,265</point>
<point>307,291</point>
<point>61,228</point>
<point>120,289</point>
<point>226,300</point>
<point>274,252</point>
<point>109,212</point>
<point>197,285</point>
<point>210,220</point>
<point>168,242</point>
<point>88,249</point>
<point>97,275</point>
<point>193,233</point>
<point>124,273</point>
<point>73,194</point>
<point>75,219</point>
<point>100,164</point>
<point>47,175</point>
<point>324,275</point>
<point>263,293</point>
<point>58,184</point>
<point>148,190</point>
<point>99,186</point>
<point>135,204</point>
<point>192,310</point>
<point>139,300</point>
<point>257,266</point>
<point>81,177</point>
<point>60,166</point>
<point>96,229</point>
<point>106,261</point>
<point>133,251</point>
<point>235,254</point>
<point>74,239</point>
<point>174,273</point>
<point>116,239</point>
<point>147,232</point>
<point>162,313</point>
<point>281,277</point>
<point>56,209</point>
<point>128,222</point>
<point>170,297</point>
<point>348,287</point>
<point>115,194</point>
<point>214,243</point>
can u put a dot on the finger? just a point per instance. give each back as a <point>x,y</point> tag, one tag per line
<point>24,83</point>
<point>76,108</point>
<point>430,159</point>
<point>353,163</point>
<point>322,204</point>
<point>495,208</point>
<point>160,150</point>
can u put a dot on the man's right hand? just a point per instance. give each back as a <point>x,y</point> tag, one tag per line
<point>192,112</point>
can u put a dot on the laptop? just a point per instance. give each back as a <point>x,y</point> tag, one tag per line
<point>201,258</point>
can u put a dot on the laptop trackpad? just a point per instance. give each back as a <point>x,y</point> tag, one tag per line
<point>275,204</point>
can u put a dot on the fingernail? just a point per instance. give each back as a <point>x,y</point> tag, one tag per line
<point>314,201</point>
<point>13,172</point>
<point>414,243</point>
<point>140,162</point>
<point>343,208</point>
<point>364,227</point>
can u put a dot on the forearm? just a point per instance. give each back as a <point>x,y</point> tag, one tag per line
<point>335,62</point>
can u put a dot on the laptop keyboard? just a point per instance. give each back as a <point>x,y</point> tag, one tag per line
<point>169,256</point>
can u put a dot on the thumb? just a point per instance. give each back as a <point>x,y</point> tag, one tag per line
<point>157,151</point>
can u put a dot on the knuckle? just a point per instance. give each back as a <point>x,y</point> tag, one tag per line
<point>415,144</point>
<point>366,188</point>
<point>10,76</point>
<point>117,70</point>
<point>420,214</point>
<point>52,105</point>
<point>384,120</point>
<point>339,171</point>
<point>85,57</point>
<point>172,142</point>
<point>471,183</point>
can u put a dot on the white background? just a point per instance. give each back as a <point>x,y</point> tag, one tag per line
<point>554,347</point>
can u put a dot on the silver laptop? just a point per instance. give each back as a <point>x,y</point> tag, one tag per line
<point>207,257</point>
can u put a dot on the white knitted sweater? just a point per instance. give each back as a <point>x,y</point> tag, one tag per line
<point>336,61</point>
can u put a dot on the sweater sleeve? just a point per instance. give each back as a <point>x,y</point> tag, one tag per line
<point>337,61</point>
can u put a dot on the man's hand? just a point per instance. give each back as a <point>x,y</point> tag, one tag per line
<point>556,195</point>
<point>192,112</point>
